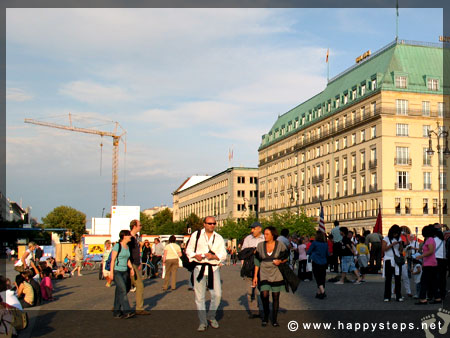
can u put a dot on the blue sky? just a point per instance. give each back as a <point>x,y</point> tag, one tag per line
<point>186,84</point>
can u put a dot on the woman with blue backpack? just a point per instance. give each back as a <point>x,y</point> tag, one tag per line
<point>120,265</point>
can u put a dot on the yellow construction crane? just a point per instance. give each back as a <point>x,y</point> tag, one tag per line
<point>116,137</point>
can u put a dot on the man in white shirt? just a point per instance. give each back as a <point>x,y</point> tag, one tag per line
<point>207,249</point>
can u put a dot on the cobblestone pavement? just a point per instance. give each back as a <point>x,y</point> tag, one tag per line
<point>89,293</point>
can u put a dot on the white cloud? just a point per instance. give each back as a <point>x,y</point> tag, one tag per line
<point>91,92</point>
<point>17,95</point>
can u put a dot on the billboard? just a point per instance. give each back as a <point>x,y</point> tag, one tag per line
<point>121,216</point>
<point>101,226</point>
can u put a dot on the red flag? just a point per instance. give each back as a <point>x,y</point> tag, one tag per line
<point>328,52</point>
<point>378,228</point>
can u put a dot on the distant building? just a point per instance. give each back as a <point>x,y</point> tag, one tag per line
<point>233,193</point>
<point>152,211</point>
<point>362,142</point>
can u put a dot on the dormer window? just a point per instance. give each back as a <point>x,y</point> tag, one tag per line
<point>401,81</point>
<point>433,84</point>
<point>354,94</point>
<point>345,98</point>
<point>363,90</point>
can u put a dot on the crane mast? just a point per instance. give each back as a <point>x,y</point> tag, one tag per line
<point>116,137</point>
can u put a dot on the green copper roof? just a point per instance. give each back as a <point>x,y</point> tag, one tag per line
<point>417,61</point>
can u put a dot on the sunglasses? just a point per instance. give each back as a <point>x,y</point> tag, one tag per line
<point>210,223</point>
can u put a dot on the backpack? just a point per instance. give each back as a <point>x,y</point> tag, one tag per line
<point>184,258</point>
<point>108,261</point>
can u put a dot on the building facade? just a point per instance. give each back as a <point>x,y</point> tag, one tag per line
<point>232,193</point>
<point>152,211</point>
<point>361,143</point>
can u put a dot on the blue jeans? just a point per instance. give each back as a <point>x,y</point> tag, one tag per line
<point>121,304</point>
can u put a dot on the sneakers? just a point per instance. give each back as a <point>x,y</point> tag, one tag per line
<point>339,283</point>
<point>387,300</point>
<point>133,289</point>
<point>214,324</point>
<point>401,299</point>
<point>201,328</point>
<point>357,283</point>
<point>128,315</point>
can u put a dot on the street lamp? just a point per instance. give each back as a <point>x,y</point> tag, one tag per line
<point>440,133</point>
<point>292,199</point>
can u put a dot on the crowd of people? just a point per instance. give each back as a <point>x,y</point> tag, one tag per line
<point>271,263</point>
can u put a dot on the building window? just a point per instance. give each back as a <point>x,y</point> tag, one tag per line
<point>241,179</point>
<point>398,207</point>
<point>336,145</point>
<point>336,168</point>
<point>401,81</point>
<point>363,160</point>
<point>402,129</point>
<point>345,142</point>
<point>345,98</point>
<point>253,180</point>
<point>374,84</point>
<point>353,139</point>
<point>402,179</point>
<point>337,102</point>
<point>401,107</point>
<point>363,135</point>
<point>433,84</point>
<point>354,94</point>
<point>425,206</point>
<point>407,206</point>
<point>426,108</point>
<point>425,130</point>
<point>336,189</point>
<point>426,181</point>
<point>444,206</point>
<point>441,109</point>
<point>443,181</point>
<point>435,206</point>
<point>363,90</point>
<point>373,132</point>
<point>241,193</point>
<point>363,112</point>
<point>402,155</point>
<point>426,157</point>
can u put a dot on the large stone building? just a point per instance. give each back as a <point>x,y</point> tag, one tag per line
<point>232,193</point>
<point>362,142</point>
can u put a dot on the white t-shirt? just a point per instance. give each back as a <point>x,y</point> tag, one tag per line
<point>27,259</point>
<point>439,250</point>
<point>10,298</point>
<point>419,275</point>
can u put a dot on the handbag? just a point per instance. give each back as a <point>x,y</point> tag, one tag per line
<point>180,262</point>
<point>399,260</point>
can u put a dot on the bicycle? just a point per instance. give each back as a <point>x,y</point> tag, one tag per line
<point>146,266</point>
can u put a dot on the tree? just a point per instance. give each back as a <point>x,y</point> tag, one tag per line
<point>147,224</point>
<point>194,222</point>
<point>296,224</point>
<point>67,218</point>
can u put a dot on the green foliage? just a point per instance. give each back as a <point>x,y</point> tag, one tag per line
<point>194,222</point>
<point>68,218</point>
<point>297,224</point>
<point>232,229</point>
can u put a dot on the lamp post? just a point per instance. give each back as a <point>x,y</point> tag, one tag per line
<point>295,190</point>
<point>440,133</point>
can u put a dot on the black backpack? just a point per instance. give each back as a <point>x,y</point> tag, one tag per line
<point>184,258</point>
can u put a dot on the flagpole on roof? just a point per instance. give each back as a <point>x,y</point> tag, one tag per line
<point>396,24</point>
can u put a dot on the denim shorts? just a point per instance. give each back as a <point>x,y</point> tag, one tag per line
<point>348,264</point>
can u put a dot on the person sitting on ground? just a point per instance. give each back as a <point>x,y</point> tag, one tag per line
<point>7,294</point>
<point>28,275</point>
<point>46,285</point>
<point>25,292</point>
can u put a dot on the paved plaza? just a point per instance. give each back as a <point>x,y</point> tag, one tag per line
<point>91,300</point>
